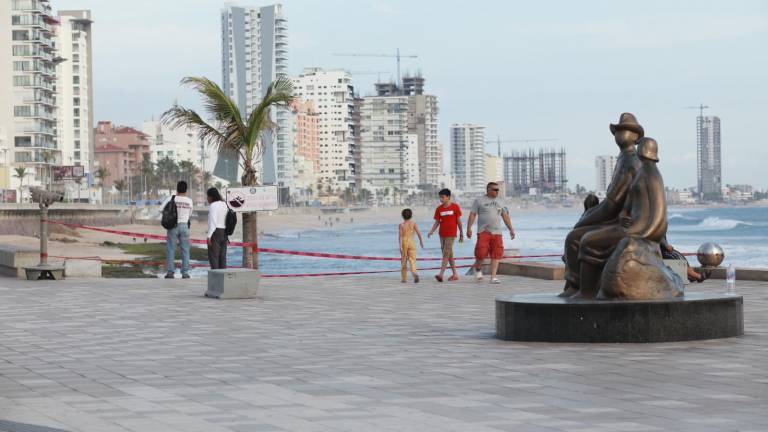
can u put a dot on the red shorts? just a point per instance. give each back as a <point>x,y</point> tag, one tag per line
<point>489,244</point>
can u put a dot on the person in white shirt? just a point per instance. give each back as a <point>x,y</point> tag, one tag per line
<point>180,233</point>
<point>217,237</point>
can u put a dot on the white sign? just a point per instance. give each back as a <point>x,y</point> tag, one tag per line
<point>254,198</point>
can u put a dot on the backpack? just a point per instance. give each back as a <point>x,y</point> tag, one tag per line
<point>170,215</point>
<point>230,222</point>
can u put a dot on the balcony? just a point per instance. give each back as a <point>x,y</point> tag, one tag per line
<point>40,100</point>
<point>38,130</point>
<point>29,6</point>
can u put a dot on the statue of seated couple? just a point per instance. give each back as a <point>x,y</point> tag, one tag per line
<point>613,250</point>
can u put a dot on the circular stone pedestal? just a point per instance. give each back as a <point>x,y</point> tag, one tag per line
<point>549,318</point>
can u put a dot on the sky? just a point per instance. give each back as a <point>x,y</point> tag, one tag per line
<point>522,69</point>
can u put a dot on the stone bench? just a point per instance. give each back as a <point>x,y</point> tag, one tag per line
<point>82,268</point>
<point>232,283</point>
<point>742,273</point>
<point>13,259</point>
<point>680,267</point>
<point>532,270</point>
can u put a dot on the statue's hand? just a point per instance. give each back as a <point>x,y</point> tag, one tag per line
<point>625,221</point>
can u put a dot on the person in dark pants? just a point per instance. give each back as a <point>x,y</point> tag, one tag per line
<point>217,237</point>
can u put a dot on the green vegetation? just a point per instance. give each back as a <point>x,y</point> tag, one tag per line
<point>156,251</point>
<point>123,272</point>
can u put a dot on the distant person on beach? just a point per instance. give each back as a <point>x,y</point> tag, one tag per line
<point>408,246</point>
<point>448,219</point>
<point>488,209</point>
<point>217,236</point>
<point>180,233</point>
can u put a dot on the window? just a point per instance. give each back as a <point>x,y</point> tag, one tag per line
<point>76,80</point>
<point>75,58</point>
<point>77,144</point>
<point>22,111</point>
<point>77,155</point>
<point>20,35</point>
<point>23,141</point>
<point>76,101</point>
<point>77,123</point>
<point>76,112</point>
<point>23,157</point>
<point>21,81</point>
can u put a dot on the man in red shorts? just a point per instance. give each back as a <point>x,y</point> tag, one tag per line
<point>448,218</point>
<point>487,210</point>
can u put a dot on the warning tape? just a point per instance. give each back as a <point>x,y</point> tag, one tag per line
<point>285,251</point>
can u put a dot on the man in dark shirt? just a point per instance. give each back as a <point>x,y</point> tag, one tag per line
<point>625,133</point>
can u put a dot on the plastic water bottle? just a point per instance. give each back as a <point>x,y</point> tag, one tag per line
<point>730,279</point>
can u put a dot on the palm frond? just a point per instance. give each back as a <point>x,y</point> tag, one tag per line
<point>279,93</point>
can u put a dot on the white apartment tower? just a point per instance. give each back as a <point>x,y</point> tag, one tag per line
<point>384,141</point>
<point>254,43</point>
<point>604,166</point>
<point>180,145</point>
<point>468,157</point>
<point>333,97</point>
<point>75,89</point>
<point>27,90</point>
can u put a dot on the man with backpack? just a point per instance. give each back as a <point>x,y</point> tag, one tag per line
<point>221,224</point>
<point>177,211</point>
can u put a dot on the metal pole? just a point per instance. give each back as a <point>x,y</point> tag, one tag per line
<point>43,235</point>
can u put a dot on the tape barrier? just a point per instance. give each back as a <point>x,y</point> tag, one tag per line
<point>283,251</point>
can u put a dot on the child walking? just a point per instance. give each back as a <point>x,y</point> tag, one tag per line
<point>408,246</point>
<point>448,219</point>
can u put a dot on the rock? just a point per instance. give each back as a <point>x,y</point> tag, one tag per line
<point>636,271</point>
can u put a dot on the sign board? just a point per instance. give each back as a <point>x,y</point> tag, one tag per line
<point>254,198</point>
<point>8,195</point>
<point>68,172</point>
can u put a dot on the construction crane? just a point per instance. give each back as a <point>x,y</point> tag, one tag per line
<point>397,55</point>
<point>500,141</point>
<point>378,73</point>
<point>701,108</point>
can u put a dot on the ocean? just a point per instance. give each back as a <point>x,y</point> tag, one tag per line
<point>741,231</point>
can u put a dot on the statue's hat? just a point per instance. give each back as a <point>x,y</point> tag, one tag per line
<point>627,121</point>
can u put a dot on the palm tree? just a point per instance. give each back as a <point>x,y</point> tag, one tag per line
<point>21,173</point>
<point>234,134</point>
<point>101,173</point>
<point>121,185</point>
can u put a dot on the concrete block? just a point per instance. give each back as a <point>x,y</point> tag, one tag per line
<point>742,273</point>
<point>680,267</point>
<point>532,270</point>
<point>232,283</point>
<point>82,268</point>
<point>13,260</point>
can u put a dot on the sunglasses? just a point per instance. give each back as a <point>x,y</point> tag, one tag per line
<point>495,190</point>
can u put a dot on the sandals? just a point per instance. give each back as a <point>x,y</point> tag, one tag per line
<point>439,278</point>
<point>453,278</point>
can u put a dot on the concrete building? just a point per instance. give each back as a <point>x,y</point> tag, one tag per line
<point>422,121</point>
<point>604,166</point>
<point>254,54</point>
<point>383,137</point>
<point>121,150</point>
<point>179,144</point>
<point>75,89</point>
<point>411,166</point>
<point>28,90</point>
<point>332,95</point>
<point>494,168</point>
<point>535,172</point>
<point>708,167</point>
<point>468,157</point>
<point>306,139</point>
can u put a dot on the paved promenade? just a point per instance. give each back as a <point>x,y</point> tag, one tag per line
<point>350,354</point>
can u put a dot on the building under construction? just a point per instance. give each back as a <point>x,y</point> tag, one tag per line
<point>529,172</point>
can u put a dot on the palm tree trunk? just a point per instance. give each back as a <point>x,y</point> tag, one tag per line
<point>250,232</point>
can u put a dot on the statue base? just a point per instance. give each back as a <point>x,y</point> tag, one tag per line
<point>549,318</point>
<point>45,272</point>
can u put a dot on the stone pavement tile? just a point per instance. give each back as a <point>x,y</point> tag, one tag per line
<point>355,354</point>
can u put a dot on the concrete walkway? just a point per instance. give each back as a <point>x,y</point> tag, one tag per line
<point>351,354</point>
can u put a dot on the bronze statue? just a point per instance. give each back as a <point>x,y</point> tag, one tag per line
<point>605,214</point>
<point>635,270</point>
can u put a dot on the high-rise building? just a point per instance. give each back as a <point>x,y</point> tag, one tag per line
<point>384,141</point>
<point>254,54</point>
<point>75,89</point>
<point>604,166</point>
<point>494,168</point>
<point>708,167</point>
<point>332,95</point>
<point>27,89</point>
<point>306,138</point>
<point>532,173</point>
<point>422,121</point>
<point>468,157</point>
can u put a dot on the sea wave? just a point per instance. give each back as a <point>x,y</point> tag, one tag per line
<point>714,223</point>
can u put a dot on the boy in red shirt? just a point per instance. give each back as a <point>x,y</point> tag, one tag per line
<point>448,218</point>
